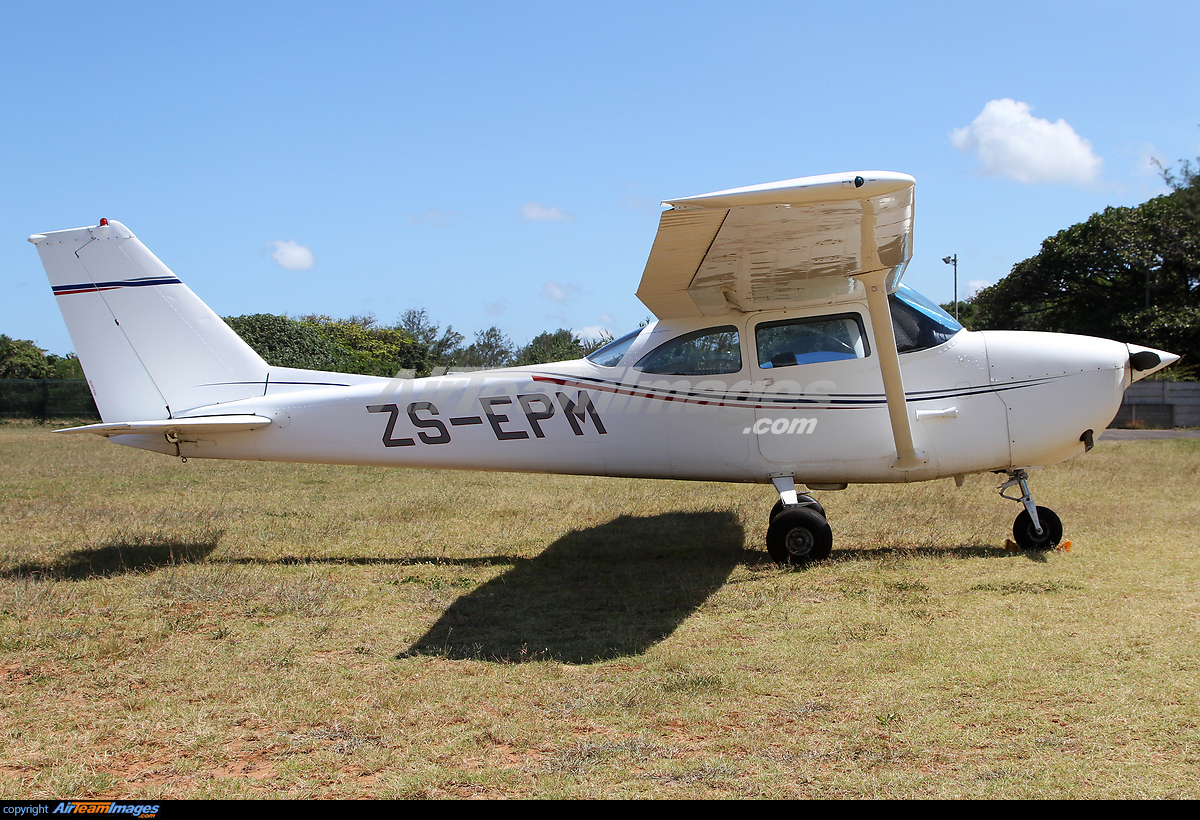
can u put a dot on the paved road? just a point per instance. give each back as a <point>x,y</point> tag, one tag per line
<point>1146,435</point>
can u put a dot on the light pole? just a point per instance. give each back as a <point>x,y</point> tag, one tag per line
<point>953,260</point>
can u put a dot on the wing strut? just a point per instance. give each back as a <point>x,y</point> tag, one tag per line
<point>908,457</point>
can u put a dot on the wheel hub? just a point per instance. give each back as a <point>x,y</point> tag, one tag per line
<point>799,542</point>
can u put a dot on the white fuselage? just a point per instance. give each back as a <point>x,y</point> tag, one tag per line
<point>982,401</point>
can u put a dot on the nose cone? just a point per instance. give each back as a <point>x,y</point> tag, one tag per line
<point>1146,360</point>
<point>1057,387</point>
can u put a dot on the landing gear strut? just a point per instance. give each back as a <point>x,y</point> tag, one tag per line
<point>798,532</point>
<point>804,499</point>
<point>1036,528</point>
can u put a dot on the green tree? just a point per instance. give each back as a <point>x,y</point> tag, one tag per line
<point>317,342</point>
<point>592,345</point>
<point>376,351</point>
<point>21,359</point>
<point>417,324</point>
<point>561,345</point>
<point>284,342</point>
<point>491,348</point>
<point>64,367</point>
<point>1186,184</point>
<point>966,312</point>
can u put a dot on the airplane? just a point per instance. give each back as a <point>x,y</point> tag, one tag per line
<point>786,351</point>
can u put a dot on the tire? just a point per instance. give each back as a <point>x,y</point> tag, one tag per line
<point>799,535</point>
<point>810,502</point>
<point>1026,535</point>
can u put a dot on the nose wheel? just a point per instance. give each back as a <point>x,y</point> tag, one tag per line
<point>1036,528</point>
<point>1027,536</point>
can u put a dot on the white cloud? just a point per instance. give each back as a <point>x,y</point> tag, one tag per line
<point>558,292</point>
<point>290,255</point>
<point>593,332</point>
<point>537,212</point>
<point>496,308</point>
<point>435,217</point>
<point>1011,142</point>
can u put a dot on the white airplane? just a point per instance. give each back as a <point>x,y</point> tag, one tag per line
<point>786,351</point>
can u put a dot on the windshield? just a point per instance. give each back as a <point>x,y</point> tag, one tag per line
<point>919,323</point>
<point>611,354</point>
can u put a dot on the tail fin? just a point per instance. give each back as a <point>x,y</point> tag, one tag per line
<point>149,347</point>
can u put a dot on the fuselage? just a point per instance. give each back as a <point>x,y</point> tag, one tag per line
<point>795,392</point>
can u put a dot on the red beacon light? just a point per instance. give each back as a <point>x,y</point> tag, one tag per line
<point>103,223</point>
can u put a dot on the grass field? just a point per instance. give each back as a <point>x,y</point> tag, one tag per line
<point>225,629</point>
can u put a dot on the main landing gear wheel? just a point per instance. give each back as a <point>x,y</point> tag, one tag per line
<point>799,535</point>
<point>807,500</point>
<point>1027,535</point>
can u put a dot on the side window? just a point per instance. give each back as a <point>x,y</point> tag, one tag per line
<point>703,353</point>
<point>805,341</point>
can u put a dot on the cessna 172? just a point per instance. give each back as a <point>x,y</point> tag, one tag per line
<point>785,351</point>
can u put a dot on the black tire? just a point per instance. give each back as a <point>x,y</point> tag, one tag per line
<point>799,535</point>
<point>1027,536</point>
<point>810,502</point>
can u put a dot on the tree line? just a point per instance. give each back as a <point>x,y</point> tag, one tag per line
<point>20,359</point>
<point>359,344</point>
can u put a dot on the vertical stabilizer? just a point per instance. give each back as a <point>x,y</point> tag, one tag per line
<point>149,347</point>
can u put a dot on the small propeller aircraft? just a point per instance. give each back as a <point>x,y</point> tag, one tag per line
<point>785,351</point>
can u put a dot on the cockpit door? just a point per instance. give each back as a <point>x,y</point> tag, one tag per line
<point>820,401</point>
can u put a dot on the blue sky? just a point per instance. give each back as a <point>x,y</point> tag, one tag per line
<point>503,163</point>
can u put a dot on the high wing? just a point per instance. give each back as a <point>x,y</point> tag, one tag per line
<point>778,245</point>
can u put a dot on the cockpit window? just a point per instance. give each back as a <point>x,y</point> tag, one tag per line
<point>919,323</point>
<point>806,341</point>
<point>611,354</point>
<point>705,352</point>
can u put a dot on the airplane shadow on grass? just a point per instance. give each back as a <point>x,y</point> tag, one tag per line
<point>596,594</point>
<point>119,556</point>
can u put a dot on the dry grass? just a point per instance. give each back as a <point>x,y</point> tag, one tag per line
<point>233,630</point>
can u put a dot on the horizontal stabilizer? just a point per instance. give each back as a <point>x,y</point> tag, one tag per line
<point>200,424</point>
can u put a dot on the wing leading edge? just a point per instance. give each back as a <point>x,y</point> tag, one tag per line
<point>778,245</point>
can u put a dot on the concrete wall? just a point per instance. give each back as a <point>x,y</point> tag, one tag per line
<point>1160,404</point>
